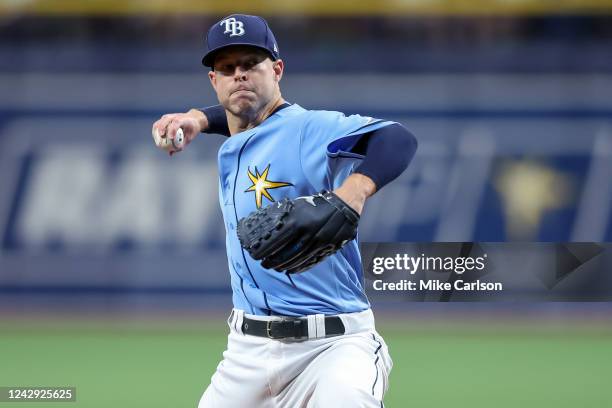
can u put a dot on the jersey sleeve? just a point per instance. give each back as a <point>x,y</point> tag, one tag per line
<point>326,144</point>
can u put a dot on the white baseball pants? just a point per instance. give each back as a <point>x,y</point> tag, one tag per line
<point>349,370</point>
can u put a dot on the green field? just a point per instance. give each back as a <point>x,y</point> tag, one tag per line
<point>169,363</point>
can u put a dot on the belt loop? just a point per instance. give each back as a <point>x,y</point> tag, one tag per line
<point>320,325</point>
<point>312,326</point>
<point>239,321</point>
<point>230,319</point>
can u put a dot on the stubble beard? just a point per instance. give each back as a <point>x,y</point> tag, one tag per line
<point>248,109</point>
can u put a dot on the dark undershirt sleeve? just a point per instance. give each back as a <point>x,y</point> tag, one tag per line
<point>217,120</point>
<point>388,151</point>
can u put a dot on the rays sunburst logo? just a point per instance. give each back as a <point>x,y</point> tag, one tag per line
<point>261,185</point>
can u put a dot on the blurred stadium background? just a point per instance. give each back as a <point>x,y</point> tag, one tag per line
<point>113,275</point>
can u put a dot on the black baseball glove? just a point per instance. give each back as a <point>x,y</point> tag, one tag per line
<point>294,235</point>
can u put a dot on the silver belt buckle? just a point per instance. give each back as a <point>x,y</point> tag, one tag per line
<point>269,329</point>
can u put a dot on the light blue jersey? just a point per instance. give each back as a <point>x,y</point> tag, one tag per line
<point>294,152</point>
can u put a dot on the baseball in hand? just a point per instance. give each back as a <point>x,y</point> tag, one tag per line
<point>179,139</point>
<point>170,145</point>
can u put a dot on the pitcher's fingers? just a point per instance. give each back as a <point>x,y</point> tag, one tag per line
<point>156,138</point>
<point>172,128</point>
<point>163,122</point>
<point>173,152</point>
<point>155,130</point>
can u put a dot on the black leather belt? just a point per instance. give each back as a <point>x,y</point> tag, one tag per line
<point>289,327</point>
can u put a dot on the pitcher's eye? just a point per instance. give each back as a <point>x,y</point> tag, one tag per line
<point>250,64</point>
<point>225,68</point>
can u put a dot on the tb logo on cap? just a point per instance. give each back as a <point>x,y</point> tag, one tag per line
<point>233,27</point>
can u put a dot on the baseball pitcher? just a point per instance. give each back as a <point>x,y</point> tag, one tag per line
<point>292,187</point>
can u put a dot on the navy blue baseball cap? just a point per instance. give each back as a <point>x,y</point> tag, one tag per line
<point>239,29</point>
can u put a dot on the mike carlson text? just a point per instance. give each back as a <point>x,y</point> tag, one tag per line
<point>436,285</point>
